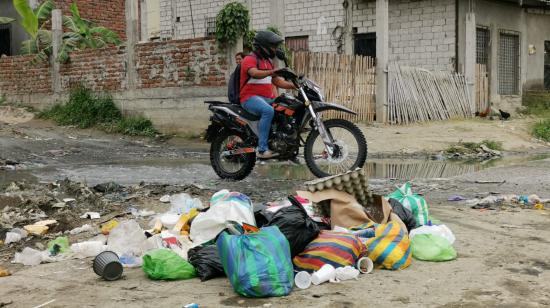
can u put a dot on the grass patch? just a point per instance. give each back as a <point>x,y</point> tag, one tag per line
<point>541,130</point>
<point>86,109</point>
<point>537,104</point>
<point>473,147</point>
<point>2,100</point>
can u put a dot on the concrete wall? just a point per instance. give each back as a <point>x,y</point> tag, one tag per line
<point>18,34</point>
<point>538,26</point>
<point>533,28</point>
<point>422,33</point>
<point>192,16</point>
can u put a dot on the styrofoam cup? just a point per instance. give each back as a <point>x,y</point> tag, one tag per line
<point>302,280</point>
<point>325,273</point>
<point>365,265</point>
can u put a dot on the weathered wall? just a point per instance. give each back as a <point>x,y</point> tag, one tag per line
<point>179,63</point>
<point>174,78</point>
<point>18,76</point>
<point>422,33</point>
<point>107,13</point>
<point>533,28</point>
<point>100,70</point>
<point>538,31</point>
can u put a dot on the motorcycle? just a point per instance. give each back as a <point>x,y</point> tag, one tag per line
<point>332,146</point>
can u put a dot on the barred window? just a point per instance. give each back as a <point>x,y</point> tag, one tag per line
<point>508,63</point>
<point>483,36</point>
<point>210,26</point>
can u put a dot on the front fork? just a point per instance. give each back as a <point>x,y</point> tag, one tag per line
<point>327,138</point>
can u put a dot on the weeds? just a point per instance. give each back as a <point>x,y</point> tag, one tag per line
<point>541,130</point>
<point>86,109</point>
<point>537,104</point>
<point>473,147</point>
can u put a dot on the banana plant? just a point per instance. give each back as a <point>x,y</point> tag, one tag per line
<point>32,21</point>
<point>83,34</point>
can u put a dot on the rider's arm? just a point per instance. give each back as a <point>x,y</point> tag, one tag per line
<point>259,74</point>
<point>281,83</point>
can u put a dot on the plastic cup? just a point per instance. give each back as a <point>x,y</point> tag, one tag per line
<point>302,280</point>
<point>365,265</point>
<point>325,273</point>
<point>107,265</point>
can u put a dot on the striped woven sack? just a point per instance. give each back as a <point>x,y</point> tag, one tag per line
<point>335,248</point>
<point>390,247</point>
<point>257,264</point>
<point>413,202</point>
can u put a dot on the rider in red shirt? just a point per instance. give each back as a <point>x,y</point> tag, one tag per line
<point>257,80</point>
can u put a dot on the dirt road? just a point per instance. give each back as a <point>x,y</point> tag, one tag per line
<point>502,254</point>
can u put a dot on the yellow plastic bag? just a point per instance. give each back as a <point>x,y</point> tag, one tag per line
<point>183,226</point>
<point>390,247</point>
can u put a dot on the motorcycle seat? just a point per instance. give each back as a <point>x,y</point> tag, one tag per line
<point>243,113</point>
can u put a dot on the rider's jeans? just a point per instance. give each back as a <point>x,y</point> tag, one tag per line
<point>259,106</point>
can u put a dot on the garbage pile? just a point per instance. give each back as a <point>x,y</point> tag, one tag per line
<point>318,235</point>
<point>501,201</point>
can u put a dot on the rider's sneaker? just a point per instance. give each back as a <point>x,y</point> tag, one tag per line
<point>266,154</point>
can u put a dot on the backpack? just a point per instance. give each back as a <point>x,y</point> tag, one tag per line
<point>234,86</point>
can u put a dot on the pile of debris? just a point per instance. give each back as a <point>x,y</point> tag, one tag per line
<point>323,233</point>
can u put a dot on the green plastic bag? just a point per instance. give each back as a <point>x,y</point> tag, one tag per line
<point>413,202</point>
<point>165,264</point>
<point>430,247</point>
<point>59,245</point>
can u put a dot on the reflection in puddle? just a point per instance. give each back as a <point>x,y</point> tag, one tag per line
<point>385,168</point>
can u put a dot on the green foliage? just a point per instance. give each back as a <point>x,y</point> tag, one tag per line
<point>248,39</point>
<point>492,144</point>
<point>2,99</point>
<point>232,22</point>
<point>541,130</point>
<point>6,20</point>
<point>135,126</point>
<point>86,109</point>
<point>537,104</point>
<point>83,34</point>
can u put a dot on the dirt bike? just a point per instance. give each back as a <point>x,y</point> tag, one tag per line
<point>332,146</point>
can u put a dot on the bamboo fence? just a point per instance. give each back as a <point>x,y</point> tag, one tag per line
<point>346,80</point>
<point>419,95</point>
<point>482,87</point>
<point>420,170</point>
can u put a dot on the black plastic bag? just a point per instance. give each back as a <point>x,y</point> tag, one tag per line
<point>261,215</point>
<point>404,214</point>
<point>206,261</point>
<point>298,228</point>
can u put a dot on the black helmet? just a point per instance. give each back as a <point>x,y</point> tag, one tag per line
<point>264,41</point>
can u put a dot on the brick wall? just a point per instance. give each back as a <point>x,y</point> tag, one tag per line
<point>100,69</point>
<point>18,76</point>
<point>107,13</point>
<point>177,63</point>
<point>180,63</point>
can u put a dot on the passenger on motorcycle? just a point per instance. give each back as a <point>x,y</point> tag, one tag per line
<point>256,85</point>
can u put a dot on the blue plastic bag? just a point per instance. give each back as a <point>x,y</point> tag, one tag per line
<point>257,264</point>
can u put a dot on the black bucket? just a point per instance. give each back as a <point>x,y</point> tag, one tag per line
<point>107,265</point>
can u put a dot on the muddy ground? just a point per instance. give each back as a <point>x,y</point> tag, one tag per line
<point>502,252</point>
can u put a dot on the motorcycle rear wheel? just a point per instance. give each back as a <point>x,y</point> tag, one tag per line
<point>351,152</point>
<point>232,167</point>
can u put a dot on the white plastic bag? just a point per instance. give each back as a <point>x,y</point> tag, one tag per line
<point>441,230</point>
<point>345,273</point>
<point>183,203</point>
<point>224,206</point>
<point>29,256</point>
<point>127,239</point>
<point>88,249</point>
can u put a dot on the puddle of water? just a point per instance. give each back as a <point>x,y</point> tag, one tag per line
<point>198,170</point>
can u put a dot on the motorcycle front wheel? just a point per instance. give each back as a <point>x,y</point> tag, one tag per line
<point>226,165</point>
<point>349,153</point>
